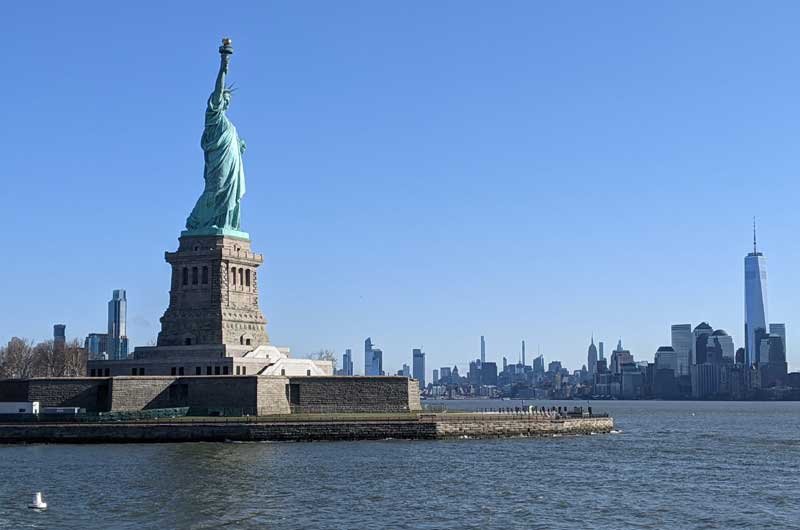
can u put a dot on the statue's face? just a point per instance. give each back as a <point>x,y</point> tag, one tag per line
<point>226,99</point>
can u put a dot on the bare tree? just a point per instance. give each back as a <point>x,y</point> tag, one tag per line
<point>325,355</point>
<point>47,360</point>
<point>19,360</point>
<point>3,374</point>
<point>74,359</point>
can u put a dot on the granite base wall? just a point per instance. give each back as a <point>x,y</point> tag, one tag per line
<point>353,394</point>
<point>229,395</point>
<point>272,396</point>
<point>89,393</point>
<point>251,395</point>
<point>14,390</point>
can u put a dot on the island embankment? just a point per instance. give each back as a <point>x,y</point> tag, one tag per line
<point>310,427</point>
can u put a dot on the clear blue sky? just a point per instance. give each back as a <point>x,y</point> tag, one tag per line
<point>420,172</point>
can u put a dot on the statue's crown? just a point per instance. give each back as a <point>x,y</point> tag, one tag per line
<point>230,89</point>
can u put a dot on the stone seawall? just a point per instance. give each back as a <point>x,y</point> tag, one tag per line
<point>504,425</point>
<point>425,427</point>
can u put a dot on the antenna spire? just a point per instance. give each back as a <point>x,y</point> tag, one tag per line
<point>754,236</point>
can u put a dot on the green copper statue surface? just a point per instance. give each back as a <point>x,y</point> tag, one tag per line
<point>217,210</point>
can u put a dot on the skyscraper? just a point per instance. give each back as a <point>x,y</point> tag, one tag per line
<point>368,356</point>
<point>722,343</point>
<point>483,350</point>
<point>523,353</point>
<point>435,376</point>
<point>666,358</point>
<point>373,359</point>
<point>59,337</point>
<point>773,365</point>
<point>592,358</point>
<point>682,342</point>
<point>117,329</point>
<point>755,301</point>
<point>700,337</point>
<point>406,371</point>
<point>418,357</point>
<point>489,374</point>
<point>779,330</point>
<point>96,345</point>
<point>601,355</point>
<point>347,362</point>
<point>619,357</point>
<point>474,373</point>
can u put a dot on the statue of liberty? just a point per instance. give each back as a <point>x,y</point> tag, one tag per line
<point>217,209</point>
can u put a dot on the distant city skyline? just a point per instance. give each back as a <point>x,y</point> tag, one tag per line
<point>450,172</point>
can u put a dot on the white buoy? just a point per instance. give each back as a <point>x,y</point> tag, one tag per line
<point>38,503</point>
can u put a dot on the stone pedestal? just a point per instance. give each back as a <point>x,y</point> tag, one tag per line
<point>213,297</point>
<point>213,324</point>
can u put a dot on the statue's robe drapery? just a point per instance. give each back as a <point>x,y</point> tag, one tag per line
<point>218,206</point>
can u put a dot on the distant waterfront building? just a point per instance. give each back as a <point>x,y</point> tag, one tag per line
<point>347,362</point>
<point>592,358</point>
<point>779,330</point>
<point>538,365</point>
<point>706,380</point>
<point>489,374</point>
<point>96,346</point>
<point>373,359</point>
<point>418,357</point>
<point>602,366</point>
<point>666,359</point>
<point>483,349</point>
<point>600,353</point>
<point>117,327</point>
<point>523,353</point>
<point>700,336</point>
<point>505,363</point>
<point>405,371</point>
<point>59,337</point>
<point>554,367</point>
<point>740,356</point>
<point>773,365</point>
<point>682,341</point>
<point>445,374</point>
<point>631,380</point>
<point>474,373</point>
<point>755,301</point>
<point>619,357</point>
<point>435,376</point>
<point>721,341</point>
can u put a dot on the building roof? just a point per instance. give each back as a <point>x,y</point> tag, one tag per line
<point>666,349</point>
<point>720,333</point>
<point>703,325</point>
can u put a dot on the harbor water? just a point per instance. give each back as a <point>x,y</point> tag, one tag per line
<point>671,465</point>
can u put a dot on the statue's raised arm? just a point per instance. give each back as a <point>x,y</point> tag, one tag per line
<point>217,209</point>
<point>225,52</point>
